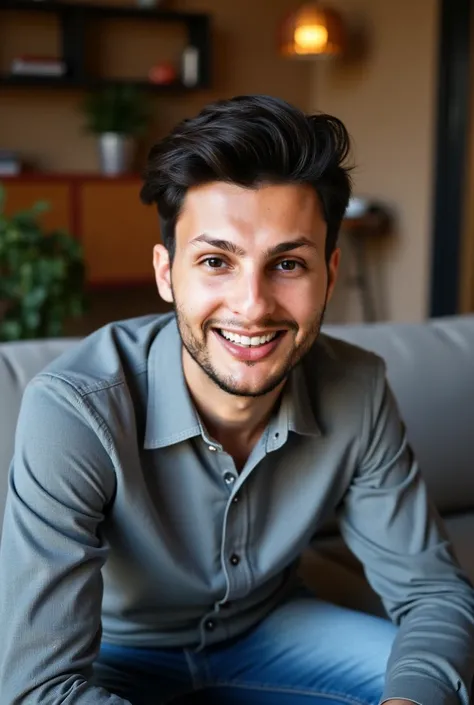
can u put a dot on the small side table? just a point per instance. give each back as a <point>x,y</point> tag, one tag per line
<point>375,223</point>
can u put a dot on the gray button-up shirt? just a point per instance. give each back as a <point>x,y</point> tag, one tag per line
<point>123,511</point>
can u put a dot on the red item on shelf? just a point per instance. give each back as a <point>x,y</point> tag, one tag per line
<point>163,73</point>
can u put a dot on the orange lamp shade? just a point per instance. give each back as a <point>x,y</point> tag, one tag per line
<point>311,30</point>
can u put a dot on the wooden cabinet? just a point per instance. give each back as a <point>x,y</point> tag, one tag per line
<point>116,230</point>
<point>21,194</point>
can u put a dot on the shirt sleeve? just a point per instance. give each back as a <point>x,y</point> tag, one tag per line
<point>61,479</point>
<point>389,523</point>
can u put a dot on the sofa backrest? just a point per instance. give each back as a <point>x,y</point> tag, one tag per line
<point>430,367</point>
<point>19,362</point>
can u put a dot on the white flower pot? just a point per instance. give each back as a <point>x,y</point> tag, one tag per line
<point>115,153</point>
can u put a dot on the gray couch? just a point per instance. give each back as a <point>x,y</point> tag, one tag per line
<point>431,370</point>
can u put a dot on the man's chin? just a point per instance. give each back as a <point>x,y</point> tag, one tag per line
<point>241,387</point>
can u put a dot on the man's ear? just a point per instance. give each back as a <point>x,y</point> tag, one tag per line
<point>333,268</point>
<point>162,267</point>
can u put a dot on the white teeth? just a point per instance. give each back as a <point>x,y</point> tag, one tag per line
<point>245,341</point>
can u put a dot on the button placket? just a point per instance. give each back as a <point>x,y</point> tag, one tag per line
<point>234,559</point>
<point>227,468</point>
<point>233,551</point>
<point>229,477</point>
<point>235,531</point>
<point>209,625</point>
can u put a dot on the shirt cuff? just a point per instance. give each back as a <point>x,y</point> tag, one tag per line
<point>422,690</point>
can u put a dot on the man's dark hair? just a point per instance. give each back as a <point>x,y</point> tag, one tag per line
<point>250,140</point>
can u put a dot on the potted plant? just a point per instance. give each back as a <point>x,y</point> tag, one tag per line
<point>117,114</point>
<point>42,276</point>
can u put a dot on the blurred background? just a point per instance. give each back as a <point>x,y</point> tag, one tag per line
<point>86,89</point>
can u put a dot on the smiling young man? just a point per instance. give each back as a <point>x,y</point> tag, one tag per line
<point>249,281</point>
<point>170,470</point>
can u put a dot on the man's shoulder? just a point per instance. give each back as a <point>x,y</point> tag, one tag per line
<point>342,377</point>
<point>336,355</point>
<point>112,355</point>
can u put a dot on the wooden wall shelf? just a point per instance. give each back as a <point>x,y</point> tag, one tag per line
<point>74,21</point>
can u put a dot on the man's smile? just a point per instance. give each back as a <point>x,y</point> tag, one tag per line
<point>249,348</point>
<point>248,340</point>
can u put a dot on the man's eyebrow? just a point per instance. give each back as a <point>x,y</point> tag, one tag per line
<point>283,247</point>
<point>219,244</point>
<point>234,249</point>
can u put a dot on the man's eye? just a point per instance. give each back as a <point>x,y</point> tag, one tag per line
<point>289,265</point>
<point>214,262</point>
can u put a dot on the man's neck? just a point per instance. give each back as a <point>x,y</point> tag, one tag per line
<point>234,421</point>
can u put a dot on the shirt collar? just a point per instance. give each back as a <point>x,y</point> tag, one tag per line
<point>295,412</point>
<point>172,417</point>
<point>302,418</point>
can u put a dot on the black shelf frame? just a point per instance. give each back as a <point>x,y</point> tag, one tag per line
<point>74,19</point>
<point>452,135</point>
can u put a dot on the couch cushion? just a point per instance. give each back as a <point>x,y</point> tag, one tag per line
<point>19,362</point>
<point>431,370</point>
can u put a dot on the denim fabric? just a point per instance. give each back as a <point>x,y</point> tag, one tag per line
<point>306,651</point>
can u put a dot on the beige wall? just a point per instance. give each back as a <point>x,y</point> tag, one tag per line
<point>46,125</point>
<point>388,102</point>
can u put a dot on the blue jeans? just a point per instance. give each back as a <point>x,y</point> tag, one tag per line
<point>306,652</point>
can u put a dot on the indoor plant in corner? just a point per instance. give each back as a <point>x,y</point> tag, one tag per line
<point>117,114</point>
<point>42,276</point>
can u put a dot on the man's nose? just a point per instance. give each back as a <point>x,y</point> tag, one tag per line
<point>252,298</point>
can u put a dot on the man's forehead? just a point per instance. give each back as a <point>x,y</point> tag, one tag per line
<point>243,208</point>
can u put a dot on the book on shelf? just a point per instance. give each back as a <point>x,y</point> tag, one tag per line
<point>10,163</point>
<point>28,65</point>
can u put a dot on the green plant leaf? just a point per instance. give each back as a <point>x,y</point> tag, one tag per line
<point>31,319</point>
<point>35,298</point>
<point>54,328</point>
<point>123,109</point>
<point>42,277</point>
<point>10,330</point>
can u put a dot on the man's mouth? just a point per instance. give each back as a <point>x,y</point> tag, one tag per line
<point>246,341</point>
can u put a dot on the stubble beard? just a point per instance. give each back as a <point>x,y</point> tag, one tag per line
<point>199,352</point>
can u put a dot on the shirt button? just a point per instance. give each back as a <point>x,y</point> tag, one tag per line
<point>229,478</point>
<point>234,559</point>
<point>212,448</point>
<point>236,499</point>
<point>210,625</point>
